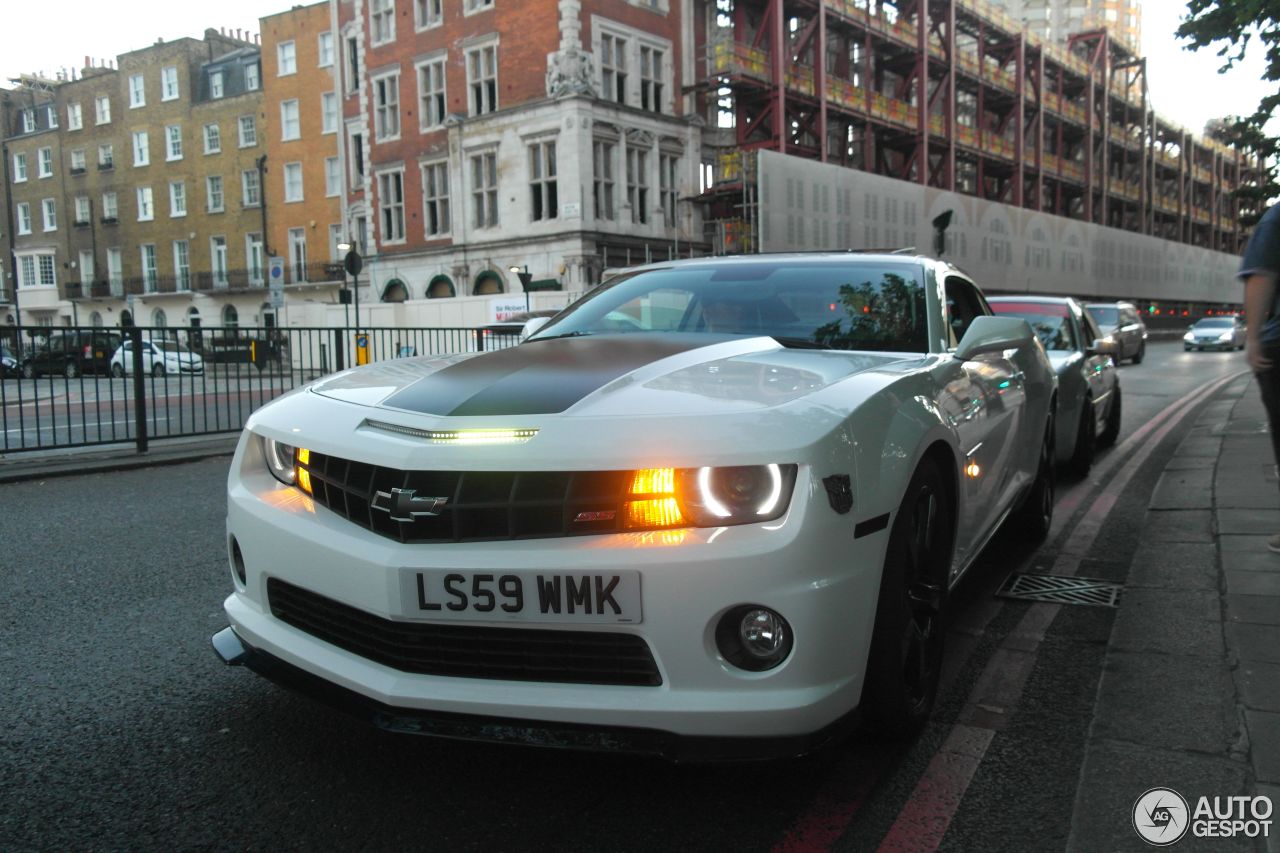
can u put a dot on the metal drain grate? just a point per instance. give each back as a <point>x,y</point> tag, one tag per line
<point>1057,589</point>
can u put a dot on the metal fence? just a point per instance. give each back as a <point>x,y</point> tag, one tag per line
<point>80,386</point>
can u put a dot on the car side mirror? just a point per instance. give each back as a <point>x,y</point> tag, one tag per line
<point>1102,346</point>
<point>993,334</point>
<point>532,325</point>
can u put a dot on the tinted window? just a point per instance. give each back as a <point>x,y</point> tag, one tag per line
<point>1051,323</point>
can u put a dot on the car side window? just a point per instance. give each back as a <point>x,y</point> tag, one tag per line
<point>1091,331</point>
<point>964,304</point>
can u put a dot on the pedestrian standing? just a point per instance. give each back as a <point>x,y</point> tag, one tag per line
<point>1260,269</point>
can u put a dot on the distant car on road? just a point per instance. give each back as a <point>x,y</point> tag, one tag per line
<point>1122,322</point>
<point>1088,386</point>
<point>71,354</point>
<point>158,358</point>
<point>1215,333</point>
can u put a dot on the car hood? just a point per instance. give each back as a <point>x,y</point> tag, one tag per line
<point>604,375</point>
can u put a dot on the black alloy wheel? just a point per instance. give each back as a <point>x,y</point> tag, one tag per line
<point>1086,440</point>
<point>29,370</point>
<point>1142,352</point>
<point>71,371</point>
<point>1034,518</point>
<point>117,371</point>
<point>1111,431</point>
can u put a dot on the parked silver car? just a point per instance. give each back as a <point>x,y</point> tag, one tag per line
<point>1088,384</point>
<point>1215,333</point>
<point>1122,322</point>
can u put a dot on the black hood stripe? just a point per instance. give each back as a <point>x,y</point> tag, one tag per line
<point>540,377</point>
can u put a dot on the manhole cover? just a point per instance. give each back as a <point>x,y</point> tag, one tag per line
<point>1057,589</point>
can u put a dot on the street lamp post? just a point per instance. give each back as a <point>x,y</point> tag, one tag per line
<point>525,278</point>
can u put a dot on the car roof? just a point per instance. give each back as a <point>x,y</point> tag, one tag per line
<point>904,257</point>
<point>1042,300</point>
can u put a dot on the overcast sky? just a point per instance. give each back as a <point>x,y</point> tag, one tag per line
<point>1185,87</point>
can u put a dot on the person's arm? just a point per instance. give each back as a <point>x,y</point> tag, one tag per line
<point>1259,290</point>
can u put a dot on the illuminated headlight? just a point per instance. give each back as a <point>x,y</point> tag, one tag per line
<point>708,497</point>
<point>281,460</point>
<point>1225,336</point>
<point>1188,337</point>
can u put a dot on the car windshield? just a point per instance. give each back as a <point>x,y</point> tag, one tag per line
<point>1105,315</point>
<point>1050,322</point>
<point>1216,323</point>
<point>804,303</point>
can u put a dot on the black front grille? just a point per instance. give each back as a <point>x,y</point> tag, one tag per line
<point>464,651</point>
<point>480,505</point>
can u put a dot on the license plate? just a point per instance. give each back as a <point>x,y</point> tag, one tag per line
<point>579,597</point>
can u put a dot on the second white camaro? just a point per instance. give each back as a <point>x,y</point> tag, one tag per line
<point>717,530</point>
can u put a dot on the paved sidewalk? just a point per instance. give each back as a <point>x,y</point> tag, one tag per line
<point>40,464</point>
<point>1190,694</point>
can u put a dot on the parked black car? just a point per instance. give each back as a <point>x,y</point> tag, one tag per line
<point>72,353</point>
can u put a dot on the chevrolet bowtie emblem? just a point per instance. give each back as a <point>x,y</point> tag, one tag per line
<point>404,505</point>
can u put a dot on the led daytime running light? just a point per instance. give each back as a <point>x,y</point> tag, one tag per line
<point>302,472</point>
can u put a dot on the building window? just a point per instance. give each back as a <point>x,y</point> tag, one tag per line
<point>77,161</point>
<point>638,184</point>
<point>251,189</point>
<point>431,86</point>
<point>218,266</point>
<point>75,119</point>
<point>46,162</point>
<point>19,167</point>
<point>427,13</point>
<point>382,21</point>
<point>651,89</point>
<point>248,132</point>
<point>212,139</point>
<point>177,198</point>
<point>332,177</point>
<point>169,83</point>
<point>86,278</point>
<point>292,182</point>
<point>602,178</point>
<point>51,116</point>
<point>286,59</point>
<point>435,191</point>
<point>24,217</point>
<point>324,50</point>
<point>137,91</point>
<point>253,253</point>
<point>83,213</point>
<point>115,271</point>
<point>37,270</point>
<point>182,264</point>
<point>356,160</point>
<point>50,210</point>
<point>391,205</point>
<point>290,128</point>
<point>613,68</point>
<point>328,112</point>
<point>102,109</point>
<point>353,64</point>
<point>110,207</point>
<point>484,189</point>
<point>173,142</point>
<point>298,253</point>
<point>29,121</point>
<point>472,6</point>
<point>386,104</point>
<point>47,276</point>
<point>148,267</point>
<point>543,194</point>
<point>146,212</point>
<point>252,77</point>
<point>141,148</point>
<point>482,79</point>
<point>106,156</point>
<point>668,169</point>
<point>213,191</point>
<point>216,89</point>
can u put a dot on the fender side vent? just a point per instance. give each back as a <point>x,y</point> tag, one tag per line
<point>1058,589</point>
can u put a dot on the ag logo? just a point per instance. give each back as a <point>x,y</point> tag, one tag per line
<point>1161,817</point>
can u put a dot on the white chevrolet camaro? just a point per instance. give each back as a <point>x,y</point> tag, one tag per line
<point>725,528</point>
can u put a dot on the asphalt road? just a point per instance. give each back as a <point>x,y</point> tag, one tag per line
<point>119,729</point>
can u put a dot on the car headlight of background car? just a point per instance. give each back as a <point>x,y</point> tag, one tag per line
<point>1189,336</point>
<point>1225,336</point>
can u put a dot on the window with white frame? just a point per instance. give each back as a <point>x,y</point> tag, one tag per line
<point>431,78</point>
<point>652,90</point>
<point>470,7</point>
<point>146,210</point>
<point>435,192</point>
<point>613,68</point>
<point>49,209</point>
<point>353,64</point>
<point>324,50</point>
<point>106,156</point>
<point>250,188</point>
<point>102,109</point>
<point>248,132</point>
<point>75,117</point>
<point>254,256</point>
<point>83,213</point>
<point>328,112</point>
<point>638,184</point>
<point>543,189</point>
<point>115,270</point>
<point>37,269</point>
<point>173,142</point>
<point>292,182</point>
<point>355,140</point>
<point>182,264</point>
<point>286,59</point>
<point>602,178</point>
<point>298,253</point>
<point>169,83</point>
<point>216,85</point>
<point>482,79</point>
<point>252,77</point>
<point>51,116</point>
<point>213,194</point>
<point>484,189</point>
<point>45,162</point>
<point>332,177</point>
<point>137,91</point>
<point>29,121</point>
<point>177,198</point>
<point>149,272</point>
<point>668,169</point>
<point>77,161</point>
<point>428,13</point>
<point>19,167</point>
<point>218,265</point>
<point>86,268</point>
<point>335,237</point>
<point>110,207</point>
<point>391,205</point>
<point>141,148</point>
<point>290,126</point>
<point>48,277</point>
<point>386,106</point>
<point>382,21</point>
<point>24,217</point>
<point>212,139</point>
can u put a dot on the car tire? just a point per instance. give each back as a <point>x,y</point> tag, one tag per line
<point>1111,431</point>
<point>1142,352</point>
<point>1086,440</point>
<point>1033,519</point>
<point>71,371</point>
<point>157,370</point>
<point>29,371</point>
<point>905,661</point>
<point>117,371</point>
<point>1186,348</point>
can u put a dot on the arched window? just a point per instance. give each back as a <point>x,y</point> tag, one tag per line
<point>488,282</point>
<point>441,287</point>
<point>230,317</point>
<point>193,317</point>
<point>395,291</point>
<point>95,319</point>
<point>126,318</point>
<point>158,318</point>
